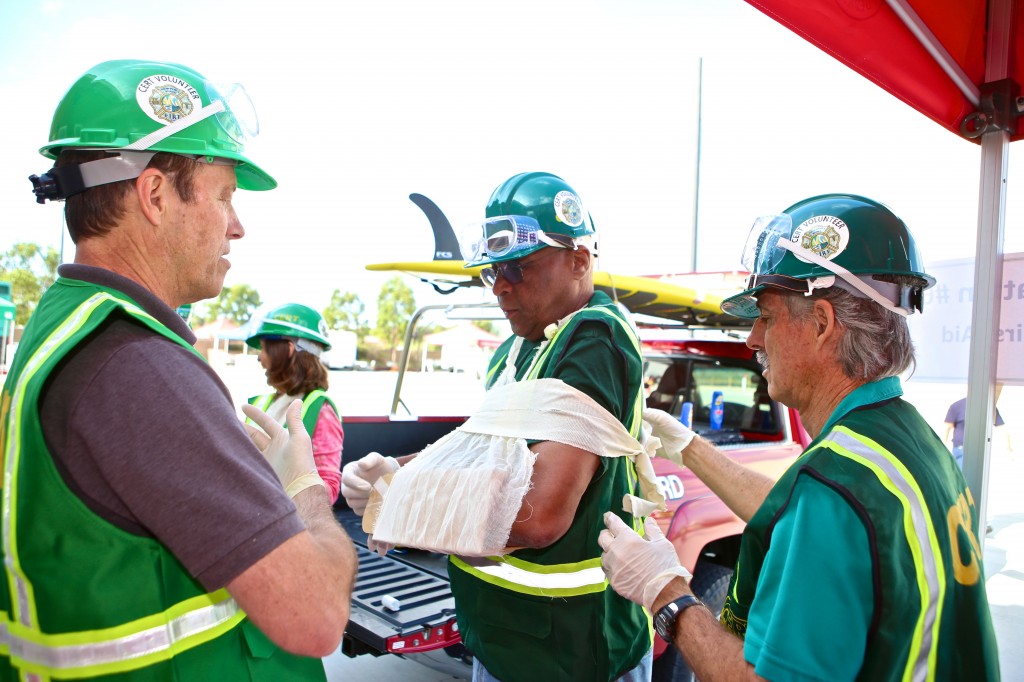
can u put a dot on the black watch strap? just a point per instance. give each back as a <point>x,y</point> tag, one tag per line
<point>665,618</point>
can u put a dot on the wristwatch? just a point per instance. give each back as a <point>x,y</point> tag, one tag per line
<point>665,618</point>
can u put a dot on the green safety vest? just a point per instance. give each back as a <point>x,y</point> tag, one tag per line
<point>311,405</point>
<point>931,617</point>
<point>550,614</point>
<point>83,598</point>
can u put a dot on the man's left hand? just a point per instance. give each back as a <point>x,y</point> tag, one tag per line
<point>638,568</point>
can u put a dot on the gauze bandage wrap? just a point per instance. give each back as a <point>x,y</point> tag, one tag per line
<point>462,494</point>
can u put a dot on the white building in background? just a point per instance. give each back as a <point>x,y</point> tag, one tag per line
<point>463,348</point>
<point>344,344</point>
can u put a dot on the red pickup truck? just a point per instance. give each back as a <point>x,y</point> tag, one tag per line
<point>402,604</point>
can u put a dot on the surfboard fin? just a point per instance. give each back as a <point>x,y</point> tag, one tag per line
<point>446,246</point>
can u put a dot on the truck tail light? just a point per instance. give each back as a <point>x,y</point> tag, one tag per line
<point>428,639</point>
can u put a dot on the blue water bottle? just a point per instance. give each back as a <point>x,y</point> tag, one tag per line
<point>717,410</point>
<point>686,415</point>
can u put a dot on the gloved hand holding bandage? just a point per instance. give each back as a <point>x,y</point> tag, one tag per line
<point>638,568</point>
<point>289,451</point>
<point>674,435</point>
<point>358,477</point>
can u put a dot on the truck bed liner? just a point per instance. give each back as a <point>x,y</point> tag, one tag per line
<point>418,582</point>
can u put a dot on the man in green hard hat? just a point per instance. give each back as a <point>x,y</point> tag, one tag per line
<point>862,561</point>
<point>543,610</point>
<point>146,534</point>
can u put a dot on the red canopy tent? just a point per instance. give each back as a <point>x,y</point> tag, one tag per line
<point>956,62</point>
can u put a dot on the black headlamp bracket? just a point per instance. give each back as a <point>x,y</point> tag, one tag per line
<point>57,184</point>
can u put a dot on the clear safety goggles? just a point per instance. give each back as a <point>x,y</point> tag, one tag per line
<point>505,236</point>
<point>239,118</point>
<point>772,236</point>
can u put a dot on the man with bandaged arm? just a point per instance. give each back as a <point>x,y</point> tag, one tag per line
<point>563,405</point>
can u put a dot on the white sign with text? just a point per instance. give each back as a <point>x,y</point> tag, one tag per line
<point>942,335</point>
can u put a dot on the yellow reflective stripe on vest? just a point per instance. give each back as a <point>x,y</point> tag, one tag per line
<point>497,365</point>
<point>265,401</point>
<point>310,399</point>
<point>920,536</point>
<point>632,478</point>
<point>262,402</point>
<point>557,580</point>
<point>21,589</point>
<point>80,654</point>
<point>126,647</point>
<point>638,404</point>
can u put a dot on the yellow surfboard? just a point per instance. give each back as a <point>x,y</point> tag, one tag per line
<point>689,299</point>
<point>696,305</point>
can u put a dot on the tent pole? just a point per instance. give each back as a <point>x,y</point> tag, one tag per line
<point>988,278</point>
<point>988,274</point>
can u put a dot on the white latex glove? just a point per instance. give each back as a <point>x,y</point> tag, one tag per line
<point>358,477</point>
<point>674,436</point>
<point>638,568</point>
<point>289,451</point>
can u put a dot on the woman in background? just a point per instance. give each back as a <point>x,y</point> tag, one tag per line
<point>291,339</point>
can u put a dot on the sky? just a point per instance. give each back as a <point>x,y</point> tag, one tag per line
<point>363,103</point>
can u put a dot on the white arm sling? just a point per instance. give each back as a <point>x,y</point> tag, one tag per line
<point>462,494</point>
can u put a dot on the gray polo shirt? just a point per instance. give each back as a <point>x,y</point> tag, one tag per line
<point>144,432</point>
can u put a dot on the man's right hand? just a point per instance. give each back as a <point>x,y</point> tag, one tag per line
<point>638,568</point>
<point>358,477</point>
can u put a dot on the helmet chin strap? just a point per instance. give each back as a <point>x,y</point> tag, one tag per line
<point>311,347</point>
<point>61,182</point>
<point>847,277</point>
<point>171,128</point>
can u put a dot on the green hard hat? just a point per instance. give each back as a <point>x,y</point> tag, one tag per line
<point>117,104</point>
<point>843,233</point>
<point>293,321</point>
<point>520,206</point>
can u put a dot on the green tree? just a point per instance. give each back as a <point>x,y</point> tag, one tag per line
<point>395,305</point>
<point>31,269</point>
<point>345,311</point>
<point>237,303</point>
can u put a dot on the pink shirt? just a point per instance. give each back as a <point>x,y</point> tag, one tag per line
<point>328,438</point>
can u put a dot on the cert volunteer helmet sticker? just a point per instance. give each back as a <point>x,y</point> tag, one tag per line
<point>822,235</point>
<point>568,209</point>
<point>165,98</point>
